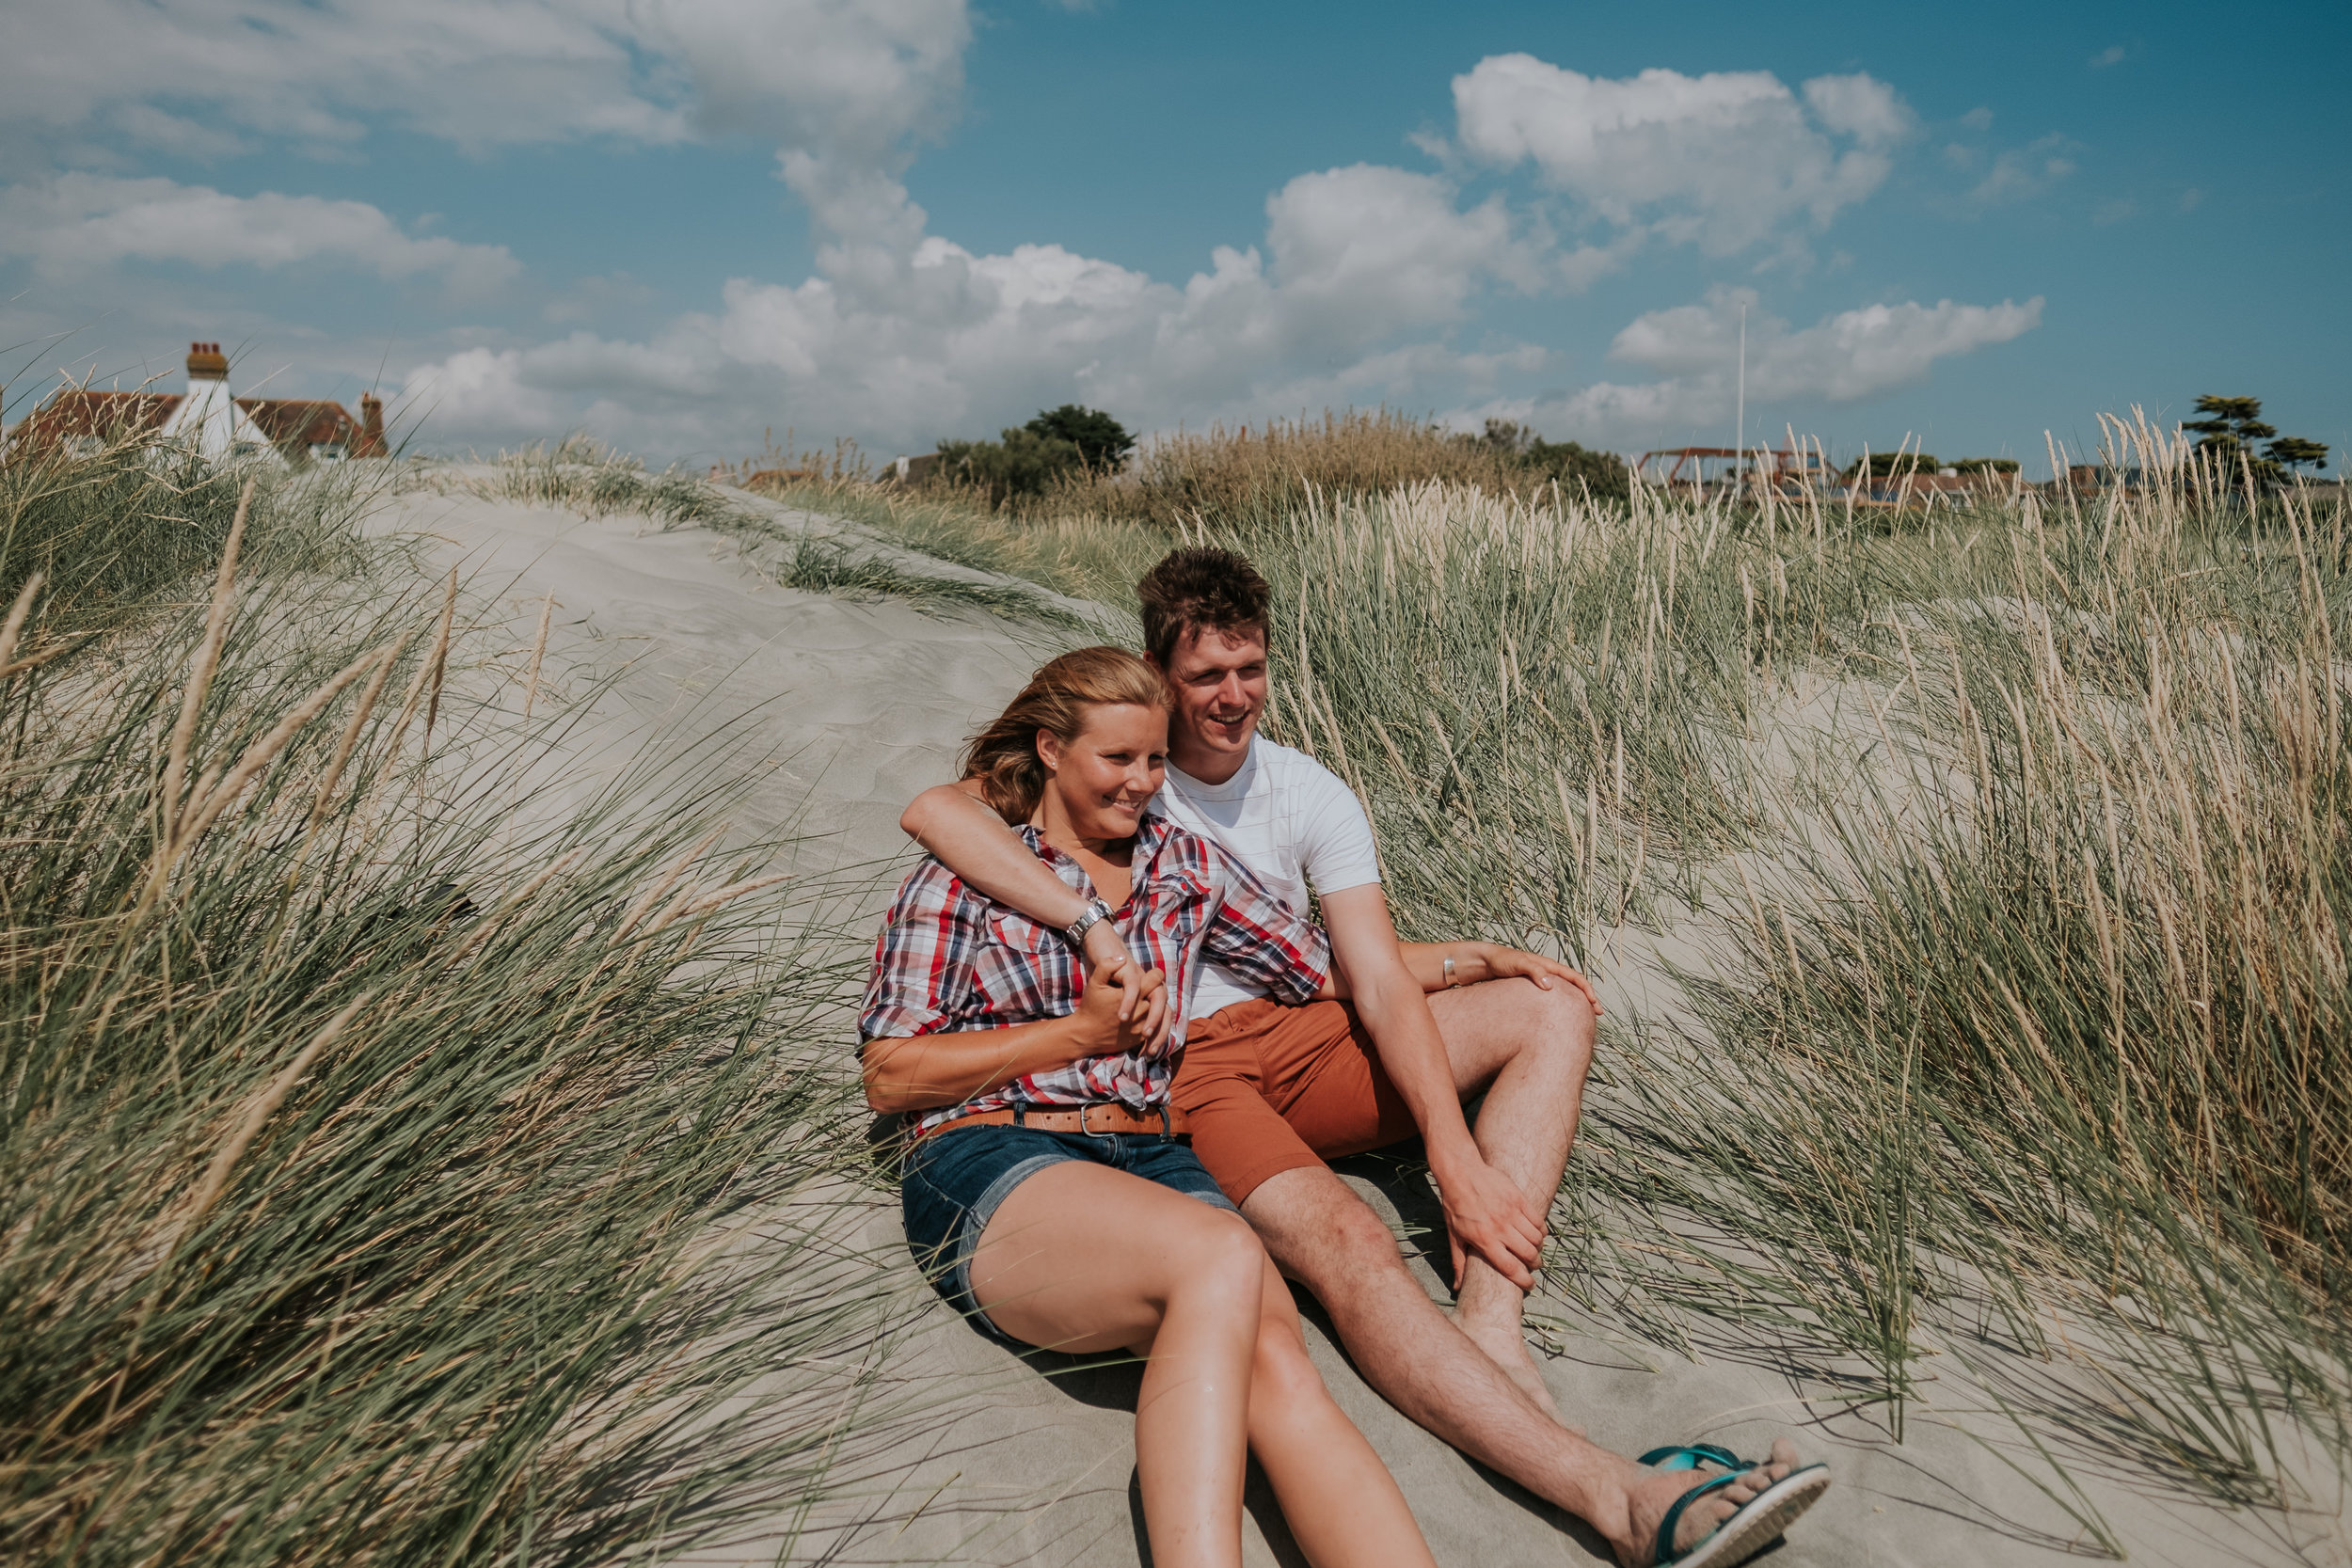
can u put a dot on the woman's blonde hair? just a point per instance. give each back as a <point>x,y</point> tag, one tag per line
<point>1002,757</point>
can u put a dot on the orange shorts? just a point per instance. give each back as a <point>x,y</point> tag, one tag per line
<point>1271,1088</point>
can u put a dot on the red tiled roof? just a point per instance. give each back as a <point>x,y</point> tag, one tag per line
<point>302,421</point>
<point>76,412</point>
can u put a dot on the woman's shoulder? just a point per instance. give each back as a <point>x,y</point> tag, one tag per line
<point>931,890</point>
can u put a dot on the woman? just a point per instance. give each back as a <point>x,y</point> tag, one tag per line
<point>1049,1189</point>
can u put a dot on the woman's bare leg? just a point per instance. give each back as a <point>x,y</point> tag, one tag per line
<point>1083,1259</point>
<point>1342,1505</point>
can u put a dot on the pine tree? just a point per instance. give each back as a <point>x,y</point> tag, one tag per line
<point>2232,435</point>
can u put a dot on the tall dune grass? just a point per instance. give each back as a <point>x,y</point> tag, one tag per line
<point>1997,863</point>
<point>388,1174</point>
<point>1222,473</point>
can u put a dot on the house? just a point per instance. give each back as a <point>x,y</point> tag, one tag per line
<point>208,420</point>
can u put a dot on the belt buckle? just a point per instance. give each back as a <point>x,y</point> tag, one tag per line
<point>1082,1119</point>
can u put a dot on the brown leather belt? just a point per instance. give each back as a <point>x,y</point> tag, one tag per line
<point>1099,1121</point>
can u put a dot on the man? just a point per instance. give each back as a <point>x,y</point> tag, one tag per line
<point>1272,1091</point>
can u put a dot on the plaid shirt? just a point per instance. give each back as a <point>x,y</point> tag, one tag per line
<point>951,958</point>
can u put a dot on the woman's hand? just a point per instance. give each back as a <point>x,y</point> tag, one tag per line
<point>1104,1024</point>
<point>1143,992</point>
<point>918,1072</point>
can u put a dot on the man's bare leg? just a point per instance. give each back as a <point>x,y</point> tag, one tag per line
<point>1529,1048</point>
<point>1419,1360</point>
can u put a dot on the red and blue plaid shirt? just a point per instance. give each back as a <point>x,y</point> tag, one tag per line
<point>952,959</point>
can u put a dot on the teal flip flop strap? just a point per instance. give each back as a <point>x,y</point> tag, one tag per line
<point>1664,1554</point>
<point>1690,1456</point>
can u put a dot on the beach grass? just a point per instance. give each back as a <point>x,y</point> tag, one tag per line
<point>388,1173</point>
<point>1985,874</point>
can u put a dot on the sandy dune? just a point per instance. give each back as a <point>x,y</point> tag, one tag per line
<point>852,709</point>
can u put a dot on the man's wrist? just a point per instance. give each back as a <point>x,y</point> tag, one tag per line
<point>1449,1154</point>
<point>1465,963</point>
<point>1092,912</point>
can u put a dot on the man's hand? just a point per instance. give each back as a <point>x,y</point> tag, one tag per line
<point>1142,992</point>
<point>1501,961</point>
<point>1486,1214</point>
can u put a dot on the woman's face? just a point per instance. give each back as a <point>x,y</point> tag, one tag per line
<point>1104,778</point>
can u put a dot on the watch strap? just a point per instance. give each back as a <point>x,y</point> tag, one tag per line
<point>1075,932</point>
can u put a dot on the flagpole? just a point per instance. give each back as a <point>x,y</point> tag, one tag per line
<point>1740,430</point>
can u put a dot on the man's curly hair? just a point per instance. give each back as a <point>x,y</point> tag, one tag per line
<point>1200,589</point>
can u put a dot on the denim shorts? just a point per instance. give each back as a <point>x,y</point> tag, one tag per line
<point>952,1183</point>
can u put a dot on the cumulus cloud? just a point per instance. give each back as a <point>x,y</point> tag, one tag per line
<point>1842,358</point>
<point>843,79</point>
<point>1360,274</point>
<point>73,223</point>
<point>1723,159</point>
<point>1854,353</point>
<point>939,342</point>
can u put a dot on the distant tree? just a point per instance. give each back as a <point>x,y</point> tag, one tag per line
<point>1984,464</point>
<point>1894,464</point>
<point>2234,436</point>
<point>2292,453</point>
<point>1028,460</point>
<point>1023,463</point>
<point>1102,441</point>
<point>1571,466</point>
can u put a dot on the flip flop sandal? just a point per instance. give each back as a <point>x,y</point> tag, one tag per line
<point>1759,1521</point>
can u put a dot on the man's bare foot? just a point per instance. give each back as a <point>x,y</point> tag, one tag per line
<point>1505,1345</point>
<point>1650,1492</point>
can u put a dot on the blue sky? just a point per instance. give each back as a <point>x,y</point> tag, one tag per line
<point>682,223</point>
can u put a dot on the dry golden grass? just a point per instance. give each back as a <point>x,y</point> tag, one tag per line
<point>1231,474</point>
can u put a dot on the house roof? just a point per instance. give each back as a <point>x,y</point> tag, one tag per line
<point>216,424</point>
<point>302,421</point>
<point>75,411</point>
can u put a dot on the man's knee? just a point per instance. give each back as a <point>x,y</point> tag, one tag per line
<point>1568,1024</point>
<point>1557,1025</point>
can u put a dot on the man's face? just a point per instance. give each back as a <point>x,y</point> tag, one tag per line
<point>1219,679</point>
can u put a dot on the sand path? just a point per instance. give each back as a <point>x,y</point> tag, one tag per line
<point>852,708</point>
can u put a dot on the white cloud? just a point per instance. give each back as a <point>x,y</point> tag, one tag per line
<point>2112,54</point>
<point>1723,159</point>
<point>847,80</point>
<point>1362,251</point>
<point>2023,172</point>
<point>1854,353</point>
<point>1842,358</point>
<point>910,346</point>
<point>73,223</point>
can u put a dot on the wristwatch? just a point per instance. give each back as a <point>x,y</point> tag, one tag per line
<point>1075,932</point>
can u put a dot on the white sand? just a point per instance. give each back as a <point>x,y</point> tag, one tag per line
<point>855,708</point>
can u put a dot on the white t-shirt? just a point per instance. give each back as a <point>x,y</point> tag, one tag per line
<point>1289,819</point>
